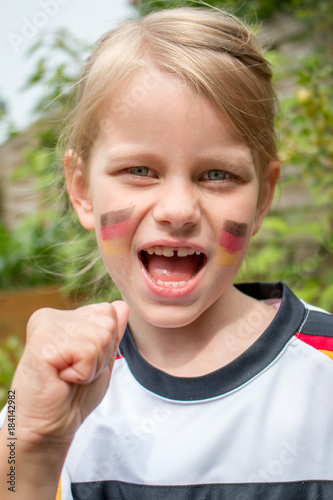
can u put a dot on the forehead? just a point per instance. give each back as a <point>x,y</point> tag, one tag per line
<point>154,111</point>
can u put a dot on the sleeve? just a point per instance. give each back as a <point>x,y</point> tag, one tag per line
<point>3,415</point>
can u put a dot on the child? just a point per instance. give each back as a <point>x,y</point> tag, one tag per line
<point>217,391</point>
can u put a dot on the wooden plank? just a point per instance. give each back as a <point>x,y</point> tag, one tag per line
<point>16,308</point>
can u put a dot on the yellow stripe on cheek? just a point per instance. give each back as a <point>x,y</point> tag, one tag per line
<point>227,259</point>
<point>114,247</point>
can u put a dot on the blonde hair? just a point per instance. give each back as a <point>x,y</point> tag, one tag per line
<point>211,50</point>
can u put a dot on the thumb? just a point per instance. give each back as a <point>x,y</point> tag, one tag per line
<point>122,312</point>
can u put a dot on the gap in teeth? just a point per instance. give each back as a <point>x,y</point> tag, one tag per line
<point>170,252</point>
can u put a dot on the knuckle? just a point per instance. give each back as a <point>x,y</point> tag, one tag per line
<point>91,312</point>
<point>108,323</point>
<point>86,314</point>
<point>72,328</point>
<point>105,338</point>
<point>40,314</point>
<point>38,319</point>
<point>90,350</point>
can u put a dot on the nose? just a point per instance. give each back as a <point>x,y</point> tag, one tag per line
<point>177,204</point>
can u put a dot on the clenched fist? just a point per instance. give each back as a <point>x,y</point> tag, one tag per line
<point>65,369</point>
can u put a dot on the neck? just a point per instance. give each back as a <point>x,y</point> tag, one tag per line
<point>214,339</point>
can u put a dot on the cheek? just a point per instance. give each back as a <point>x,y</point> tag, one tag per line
<point>114,238</point>
<point>115,228</point>
<point>232,242</point>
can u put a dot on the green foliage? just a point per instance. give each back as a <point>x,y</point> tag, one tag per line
<point>3,109</point>
<point>307,143</point>
<point>57,74</point>
<point>311,125</point>
<point>21,252</point>
<point>57,251</point>
<point>296,243</point>
<point>252,10</point>
<point>40,249</point>
<point>10,353</point>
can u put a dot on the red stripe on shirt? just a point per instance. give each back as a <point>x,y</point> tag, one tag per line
<point>316,341</point>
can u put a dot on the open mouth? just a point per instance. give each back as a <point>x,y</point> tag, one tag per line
<point>172,267</point>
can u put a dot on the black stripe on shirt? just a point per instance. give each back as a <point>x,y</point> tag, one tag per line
<point>119,490</point>
<point>318,323</point>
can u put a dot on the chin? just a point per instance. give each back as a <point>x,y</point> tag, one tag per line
<point>171,316</point>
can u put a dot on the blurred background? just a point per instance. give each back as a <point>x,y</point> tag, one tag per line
<point>45,259</point>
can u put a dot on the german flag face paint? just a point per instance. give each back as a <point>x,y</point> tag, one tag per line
<point>114,229</point>
<point>231,244</point>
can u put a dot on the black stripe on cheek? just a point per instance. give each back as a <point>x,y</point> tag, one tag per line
<point>116,216</point>
<point>238,229</point>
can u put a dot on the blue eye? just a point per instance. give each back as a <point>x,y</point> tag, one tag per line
<point>140,171</point>
<point>216,175</point>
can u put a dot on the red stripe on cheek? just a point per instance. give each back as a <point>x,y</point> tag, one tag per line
<point>231,243</point>
<point>115,230</point>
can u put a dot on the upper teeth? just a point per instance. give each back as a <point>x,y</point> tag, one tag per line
<point>169,251</point>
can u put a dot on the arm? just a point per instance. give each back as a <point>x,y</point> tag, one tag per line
<point>33,472</point>
<point>62,376</point>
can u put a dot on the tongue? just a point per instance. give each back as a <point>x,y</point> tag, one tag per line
<point>172,268</point>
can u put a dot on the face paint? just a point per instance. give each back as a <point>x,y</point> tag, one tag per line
<point>231,243</point>
<point>114,228</point>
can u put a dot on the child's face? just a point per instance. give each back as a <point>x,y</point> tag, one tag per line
<point>173,197</point>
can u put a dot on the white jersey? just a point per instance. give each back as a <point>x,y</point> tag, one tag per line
<point>260,427</point>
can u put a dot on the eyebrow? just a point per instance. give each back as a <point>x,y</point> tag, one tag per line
<point>241,161</point>
<point>138,156</point>
<point>221,160</point>
<point>116,216</point>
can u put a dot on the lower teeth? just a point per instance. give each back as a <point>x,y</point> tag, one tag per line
<point>171,284</point>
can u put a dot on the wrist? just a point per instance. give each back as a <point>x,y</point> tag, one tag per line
<point>29,467</point>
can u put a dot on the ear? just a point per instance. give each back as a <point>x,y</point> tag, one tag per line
<point>270,178</point>
<point>78,189</point>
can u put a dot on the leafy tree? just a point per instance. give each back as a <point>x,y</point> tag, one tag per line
<point>296,245</point>
<point>305,126</point>
<point>34,252</point>
<point>251,9</point>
